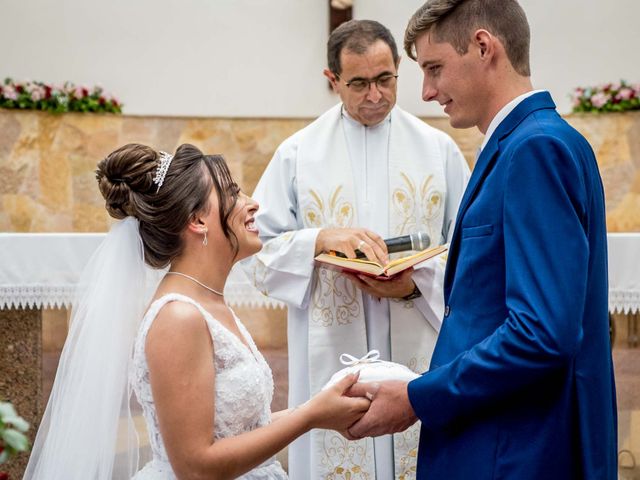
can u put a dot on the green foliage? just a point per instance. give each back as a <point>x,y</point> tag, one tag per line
<point>12,432</point>
<point>610,97</point>
<point>56,99</point>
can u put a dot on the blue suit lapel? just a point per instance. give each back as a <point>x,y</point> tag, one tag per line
<point>483,166</point>
<point>480,170</point>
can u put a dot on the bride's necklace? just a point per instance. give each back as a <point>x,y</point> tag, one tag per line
<point>197,281</point>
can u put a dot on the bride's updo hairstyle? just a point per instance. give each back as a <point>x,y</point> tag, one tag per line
<point>125,178</point>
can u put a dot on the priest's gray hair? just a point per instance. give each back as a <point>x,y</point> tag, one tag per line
<point>357,36</point>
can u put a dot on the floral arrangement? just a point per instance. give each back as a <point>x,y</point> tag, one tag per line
<point>57,98</point>
<point>12,434</point>
<point>610,97</point>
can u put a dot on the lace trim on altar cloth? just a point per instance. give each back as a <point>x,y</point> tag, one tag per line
<point>246,295</point>
<point>36,296</point>
<point>624,301</point>
<point>61,296</point>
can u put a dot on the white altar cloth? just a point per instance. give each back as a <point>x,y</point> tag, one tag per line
<point>624,272</point>
<point>41,271</point>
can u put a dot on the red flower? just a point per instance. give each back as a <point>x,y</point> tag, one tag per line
<point>4,476</point>
<point>47,91</point>
<point>102,101</point>
<point>19,88</point>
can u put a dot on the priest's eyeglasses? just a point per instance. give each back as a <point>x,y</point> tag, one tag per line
<point>384,81</point>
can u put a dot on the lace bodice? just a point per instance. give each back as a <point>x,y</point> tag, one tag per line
<point>243,391</point>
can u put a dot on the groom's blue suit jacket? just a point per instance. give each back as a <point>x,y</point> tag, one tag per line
<point>521,381</point>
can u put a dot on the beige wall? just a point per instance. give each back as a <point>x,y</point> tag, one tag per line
<point>252,58</point>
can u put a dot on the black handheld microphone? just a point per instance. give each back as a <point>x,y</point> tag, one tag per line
<point>414,241</point>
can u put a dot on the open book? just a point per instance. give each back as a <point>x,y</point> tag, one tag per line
<point>374,269</point>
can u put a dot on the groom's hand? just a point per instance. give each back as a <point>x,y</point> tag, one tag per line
<point>390,409</point>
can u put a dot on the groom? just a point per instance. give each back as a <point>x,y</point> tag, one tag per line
<point>521,381</point>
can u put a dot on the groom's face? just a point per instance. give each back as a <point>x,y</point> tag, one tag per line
<point>453,80</point>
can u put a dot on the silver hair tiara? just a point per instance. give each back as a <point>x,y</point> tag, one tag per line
<point>165,161</point>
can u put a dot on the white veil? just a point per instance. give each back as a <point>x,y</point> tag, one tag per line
<point>87,432</point>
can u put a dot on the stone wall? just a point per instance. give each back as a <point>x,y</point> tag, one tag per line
<point>21,373</point>
<point>616,141</point>
<point>47,162</point>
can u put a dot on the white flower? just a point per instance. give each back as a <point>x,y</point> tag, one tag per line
<point>600,99</point>
<point>625,93</point>
<point>36,91</point>
<point>10,92</point>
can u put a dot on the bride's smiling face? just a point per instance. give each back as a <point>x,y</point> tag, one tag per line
<point>243,237</point>
<point>242,223</point>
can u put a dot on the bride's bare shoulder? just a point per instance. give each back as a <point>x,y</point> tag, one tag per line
<point>178,324</point>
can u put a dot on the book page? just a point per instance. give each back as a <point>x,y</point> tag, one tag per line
<point>401,264</point>
<point>368,267</point>
<point>351,264</point>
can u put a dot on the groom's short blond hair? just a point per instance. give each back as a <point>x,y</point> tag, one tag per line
<point>455,21</point>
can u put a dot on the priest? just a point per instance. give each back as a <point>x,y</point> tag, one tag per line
<point>363,171</point>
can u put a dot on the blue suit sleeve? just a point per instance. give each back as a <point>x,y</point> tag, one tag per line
<point>546,261</point>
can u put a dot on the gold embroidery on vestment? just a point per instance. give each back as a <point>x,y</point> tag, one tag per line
<point>334,299</point>
<point>417,209</point>
<point>343,459</point>
<point>407,443</point>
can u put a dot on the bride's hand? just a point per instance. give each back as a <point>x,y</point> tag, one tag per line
<point>332,409</point>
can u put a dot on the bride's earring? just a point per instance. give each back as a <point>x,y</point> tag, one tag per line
<point>204,240</point>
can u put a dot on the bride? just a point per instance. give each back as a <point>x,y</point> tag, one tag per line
<point>203,386</point>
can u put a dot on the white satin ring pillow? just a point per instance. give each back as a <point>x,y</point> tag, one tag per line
<point>371,369</point>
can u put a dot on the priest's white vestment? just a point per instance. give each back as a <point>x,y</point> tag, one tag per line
<point>397,177</point>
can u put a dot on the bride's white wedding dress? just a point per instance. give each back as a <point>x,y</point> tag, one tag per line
<point>243,391</point>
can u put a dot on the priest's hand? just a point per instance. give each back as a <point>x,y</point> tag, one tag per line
<point>399,286</point>
<point>348,240</point>
<point>390,410</point>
